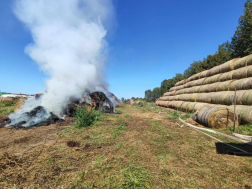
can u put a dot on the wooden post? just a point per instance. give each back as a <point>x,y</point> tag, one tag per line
<point>234,109</point>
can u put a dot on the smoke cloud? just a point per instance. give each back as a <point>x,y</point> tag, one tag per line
<point>68,45</point>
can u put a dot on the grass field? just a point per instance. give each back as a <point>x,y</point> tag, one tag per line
<point>129,150</point>
<point>6,108</point>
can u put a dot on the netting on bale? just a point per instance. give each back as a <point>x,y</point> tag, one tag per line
<point>204,88</point>
<point>247,98</point>
<point>204,74</point>
<point>228,66</point>
<point>196,89</point>
<point>212,79</point>
<point>241,84</point>
<point>198,105</point>
<point>249,60</point>
<point>170,93</point>
<point>192,97</point>
<point>180,82</point>
<point>241,73</point>
<point>216,117</point>
<point>190,107</point>
<point>184,106</point>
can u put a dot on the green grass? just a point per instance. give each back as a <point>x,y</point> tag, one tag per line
<point>242,129</point>
<point>119,130</point>
<point>85,118</point>
<point>135,177</point>
<point>7,108</point>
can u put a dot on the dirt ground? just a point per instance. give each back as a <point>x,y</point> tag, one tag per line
<point>143,147</point>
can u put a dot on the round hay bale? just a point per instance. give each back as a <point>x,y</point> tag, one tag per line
<point>212,79</point>
<point>216,117</point>
<point>199,82</point>
<point>215,70</point>
<point>224,86</point>
<point>190,90</point>
<point>241,84</point>
<point>184,106</point>
<point>226,76</point>
<point>212,87</point>
<point>204,97</point>
<point>190,107</point>
<point>204,74</point>
<point>204,88</point>
<point>249,71</point>
<point>170,93</point>
<point>187,90</point>
<point>198,105</point>
<point>247,98</point>
<point>180,82</point>
<point>178,104</point>
<point>184,97</point>
<point>243,112</point>
<point>190,84</point>
<point>219,97</point>
<point>239,63</point>
<point>193,97</point>
<point>240,73</point>
<point>196,89</point>
<point>249,60</point>
<point>227,66</point>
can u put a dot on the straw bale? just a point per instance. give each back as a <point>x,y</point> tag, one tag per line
<point>247,98</point>
<point>215,70</point>
<point>216,117</point>
<point>180,82</point>
<point>190,107</point>
<point>177,104</point>
<point>212,87</point>
<point>197,89</point>
<point>204,74</point>
<point>219,97</point>
<point>180,92</point>
<point>226,76</point>
<point>240,73</point>
<point>249,60</point>
<point>249,71</point>
<point>204,97</point>
<point>172,89</point>
<point>204,88</point>
<point>193,97</point>
<point>189,84</point>
<point>184,106</point>
<point>241,84</point>
<point>239,63</point>
<point>185,97</point>
<point>212,79</point>
<point>198,105</point>
<point>224,86</point>
<point>190,90</point>
<point>170,93</point>
<point>243,112</point>
<point>199,82</point>
<point>227,66</point>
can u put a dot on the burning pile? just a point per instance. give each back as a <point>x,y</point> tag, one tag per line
<point>39,116</point>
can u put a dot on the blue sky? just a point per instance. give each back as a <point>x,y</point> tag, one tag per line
<point>152,40</point>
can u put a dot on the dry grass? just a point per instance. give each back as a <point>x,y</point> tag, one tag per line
<point>128,150</point>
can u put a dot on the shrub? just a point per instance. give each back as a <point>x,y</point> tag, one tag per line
<point>85,118</point>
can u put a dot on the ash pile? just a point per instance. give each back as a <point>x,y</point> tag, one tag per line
<point>38,116</point>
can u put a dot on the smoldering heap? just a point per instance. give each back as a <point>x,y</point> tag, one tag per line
<point>39,116</point>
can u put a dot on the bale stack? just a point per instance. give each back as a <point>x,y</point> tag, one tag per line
<point>215,88</point>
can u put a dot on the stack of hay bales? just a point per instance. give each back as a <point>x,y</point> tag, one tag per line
<point>215,88</point>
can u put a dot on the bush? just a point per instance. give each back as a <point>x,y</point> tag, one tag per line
<point>85,118</point>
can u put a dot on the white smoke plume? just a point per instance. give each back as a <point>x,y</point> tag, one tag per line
<point>68,45</point>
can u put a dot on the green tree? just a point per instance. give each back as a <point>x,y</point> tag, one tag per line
<point>148,96</point>
<point>242,39</point>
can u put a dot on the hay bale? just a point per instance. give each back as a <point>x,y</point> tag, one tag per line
<point>190,107</point>
<point>199,82</point>
<point>226,76</point>
<point>180,82</point>
<point>170,93</point>
<point>240,73</point>
<point>181,91</point>
<point>204,88</point>
<point>220,97</point>
<point>241,84</point>
<point>189,84</point>
<point>212,87</point>
<point>247,98</point>
<point>249,71</point>
<point>244,113</point>
<point>212,79</point>
<point>184,97</point>
<point>204,74</point>
<point>196,89</point>
<point>204,97</point>
<point>177,105</point>
<point>249,60</point>
<point>239,63</point>
<point>190,90</point>
<point>227,66</point>
<point>198,105</point>
<point>224,86</point>
<point>184,106</point>
<point>216,117</point>
<point>193,97</point>
<point>215,70</point>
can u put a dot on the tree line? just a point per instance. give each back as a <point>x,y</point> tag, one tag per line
<point>240,46</point>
